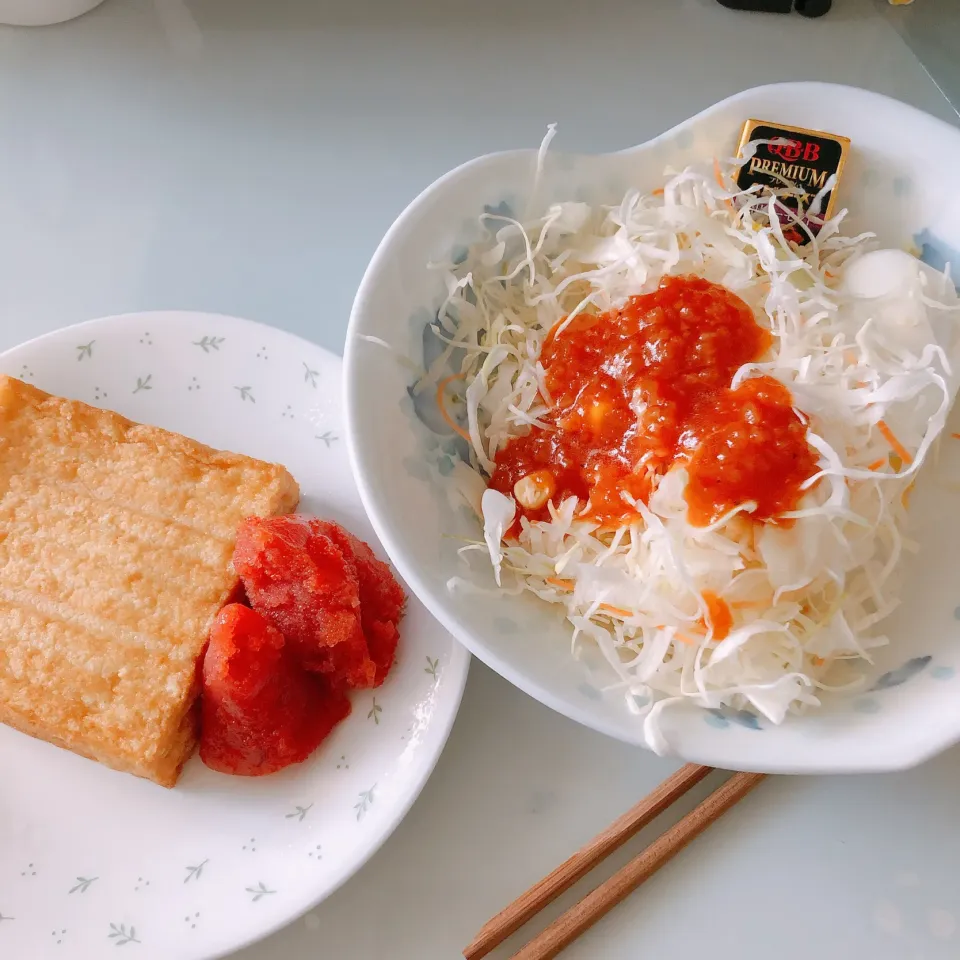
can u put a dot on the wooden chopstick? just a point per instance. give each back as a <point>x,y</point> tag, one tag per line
<point>567,927</point>
<point>514,916</point>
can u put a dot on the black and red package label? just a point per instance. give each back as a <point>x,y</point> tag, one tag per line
<point>797,158</point>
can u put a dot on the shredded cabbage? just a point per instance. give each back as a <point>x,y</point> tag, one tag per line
<point>867,343</point>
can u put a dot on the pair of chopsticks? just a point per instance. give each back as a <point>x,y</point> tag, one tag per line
<point>579,918</point>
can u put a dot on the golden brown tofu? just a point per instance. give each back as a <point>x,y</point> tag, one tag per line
<point>115,547</point>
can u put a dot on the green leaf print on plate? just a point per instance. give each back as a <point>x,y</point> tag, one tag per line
<point>83,884</point>
<point>85,350</point>
<point>121,936</point>
<point>209,343</point>
<point>260,891</point>
<point>194,873</point>
<point>299,813</point>
<point>365,802</point>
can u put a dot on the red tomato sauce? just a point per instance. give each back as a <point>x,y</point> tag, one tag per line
<point>639,389</point>
<point>719,615</point>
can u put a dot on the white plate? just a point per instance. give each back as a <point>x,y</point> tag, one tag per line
<point>91,859</point>
<point>40,13</point>
<point>905,187</point>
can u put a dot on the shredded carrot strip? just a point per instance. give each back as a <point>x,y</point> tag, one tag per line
<point>877,464</point>
<point>818,661</point>
<point>956,436</point>
<point>718,176</point>
<point>619,611</point>
<point>658,192</point>
<point>905,496</point>
<point>718,616</point>
<point>563,584</point>
<point>451,423</point>
<point>898,448</point>
<point>568,585</point>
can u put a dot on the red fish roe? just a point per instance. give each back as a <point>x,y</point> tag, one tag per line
<point>327,592</point>
<point>261,710</point>
<point>381,597</point>
<point>303,584</point>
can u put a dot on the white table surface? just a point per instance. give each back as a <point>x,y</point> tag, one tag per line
<point>245,156</point>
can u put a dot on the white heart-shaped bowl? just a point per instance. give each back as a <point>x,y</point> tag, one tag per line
<point>902,181</point>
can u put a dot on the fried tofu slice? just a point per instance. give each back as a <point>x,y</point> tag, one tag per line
<point>115,548</point>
